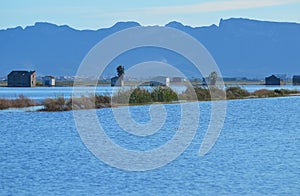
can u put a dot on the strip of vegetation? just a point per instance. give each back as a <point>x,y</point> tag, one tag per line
<point>20,102</point>
<point>263,93</point>
<point>80,103</point>
<point>139,96</point>
<point>239,93</point>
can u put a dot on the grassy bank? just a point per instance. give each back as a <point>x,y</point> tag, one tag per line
<point>139,96</point>
<point>20,102</point>
<point>84,102</point>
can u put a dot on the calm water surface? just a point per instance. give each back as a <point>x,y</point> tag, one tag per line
<point>40,93</point>
<point>257,153</point>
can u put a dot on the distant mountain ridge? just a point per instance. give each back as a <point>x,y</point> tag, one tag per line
<point>241,47</point>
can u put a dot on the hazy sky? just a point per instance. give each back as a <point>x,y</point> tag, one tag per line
<point>95,14</point>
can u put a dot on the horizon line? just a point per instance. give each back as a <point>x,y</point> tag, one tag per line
<point>132,21</point>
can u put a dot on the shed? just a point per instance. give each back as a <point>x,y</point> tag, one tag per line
<point>273,80</point>
<point>296,80</point>
<point>48,81</point>
<point>21,79</point>
<point>160,81</point>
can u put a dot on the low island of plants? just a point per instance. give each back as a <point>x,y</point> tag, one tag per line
<point>140,96</point>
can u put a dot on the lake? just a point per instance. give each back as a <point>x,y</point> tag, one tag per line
<point>40,93</point>
<point>257,153</point>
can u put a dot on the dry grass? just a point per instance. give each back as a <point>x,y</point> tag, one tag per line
<point>142,96</point>
<point>263,93</point>
<point>20,102</point>
<point>80,103</point>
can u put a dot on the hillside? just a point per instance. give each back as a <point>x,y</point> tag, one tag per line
<point>241,47</point>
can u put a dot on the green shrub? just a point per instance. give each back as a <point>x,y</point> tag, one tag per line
<point>143,96</point>
<point>140,96</point>
<point>163,94</point>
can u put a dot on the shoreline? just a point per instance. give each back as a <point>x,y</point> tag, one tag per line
<point>139,96</point>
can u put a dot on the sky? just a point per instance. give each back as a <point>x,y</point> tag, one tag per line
<point>96,14</point>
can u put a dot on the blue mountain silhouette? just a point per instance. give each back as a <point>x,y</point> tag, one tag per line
<point>241,47</point>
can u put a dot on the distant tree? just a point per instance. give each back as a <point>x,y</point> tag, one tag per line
<point>120,71</point>
<point>213,78</point>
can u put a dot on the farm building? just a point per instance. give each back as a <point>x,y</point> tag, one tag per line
<point>21,79</point>
<point>273,80</point>
<point>296,80</point>
<point>48,81</point>
<point>160,81</point>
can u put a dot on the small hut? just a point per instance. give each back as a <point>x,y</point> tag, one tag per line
<point>48,81</point>
<point>273,80</point>
<point>21,79</point>
<point>160,81</point>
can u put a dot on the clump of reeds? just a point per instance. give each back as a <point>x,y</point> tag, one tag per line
<point>76,103</point>
<point>20,102</point>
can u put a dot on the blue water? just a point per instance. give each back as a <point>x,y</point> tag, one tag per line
<point>41,93</point>
<point>252,88</point>
<point>257,153</point>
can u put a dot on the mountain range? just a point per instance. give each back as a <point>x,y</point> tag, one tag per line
<point>240,47</point>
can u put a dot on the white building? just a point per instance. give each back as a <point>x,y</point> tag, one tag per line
<point>48,81</point>
<point>160,81</point>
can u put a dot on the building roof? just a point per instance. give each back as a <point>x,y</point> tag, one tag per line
<point>21,72</point>
<point>52,77</point>
<point>272,76</point>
